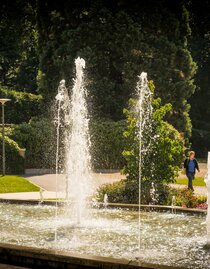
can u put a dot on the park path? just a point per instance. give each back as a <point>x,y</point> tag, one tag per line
<point>48,183</point>
<point>198,190</point>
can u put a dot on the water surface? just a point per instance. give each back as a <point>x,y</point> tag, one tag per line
<point>168,239</point>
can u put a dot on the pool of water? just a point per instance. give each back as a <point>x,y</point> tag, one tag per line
<point>169,239</point>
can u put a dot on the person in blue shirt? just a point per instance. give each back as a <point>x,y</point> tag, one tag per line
<point>190,165</point>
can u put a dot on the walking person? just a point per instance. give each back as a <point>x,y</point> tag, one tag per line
<point>191,165</point>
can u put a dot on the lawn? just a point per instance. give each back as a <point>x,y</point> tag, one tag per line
<point>198,181</point>
<point>10,183</point>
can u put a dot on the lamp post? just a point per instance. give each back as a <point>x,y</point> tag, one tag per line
<point>3,101</point>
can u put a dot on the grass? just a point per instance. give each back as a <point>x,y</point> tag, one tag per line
<point>10,183</point>
<point>198,181</point>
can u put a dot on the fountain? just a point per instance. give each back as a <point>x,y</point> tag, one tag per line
<point>105,203</point>
<point>106,237</point>
<point>173,204</point>
<point>144,123</point>
<point>76,140</point>
<point>144,112</point>
<point>153,194</point>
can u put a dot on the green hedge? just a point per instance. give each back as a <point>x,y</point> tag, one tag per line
<point>23,105</point>
<point>107,144</point>
<point>39,138</point>
<point>14,163</point>
<point>117,193</point>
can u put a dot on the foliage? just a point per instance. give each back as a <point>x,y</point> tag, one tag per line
<point>200,101</point>
<point>23,105</point>
<point>161,163</point>
<point>18,46</point>
<point>9,184</point>
<point>107,144</point>
<point>14,163</point>
<point>38,137</point>
<point>115,192</point>
<point>186,198</point>
<point>118,40</point>
<point>201,199</point>
<point>118,192</point>
<point>19,60</point>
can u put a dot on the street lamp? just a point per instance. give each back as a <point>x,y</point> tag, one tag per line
<point>3,101</point>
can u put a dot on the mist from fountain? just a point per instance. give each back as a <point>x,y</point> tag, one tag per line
<point>144,113</point>
<point>73,113</point>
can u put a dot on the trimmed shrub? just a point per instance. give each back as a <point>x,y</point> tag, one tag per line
<point>115,192</point>
<point>107,144</point>
<point>23,105</point>
<point>119,192</point>
<point>14,163</point>
<point>38,137</point>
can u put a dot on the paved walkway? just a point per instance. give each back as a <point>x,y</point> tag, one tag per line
<point>198,190</point>
<point>31,195</point>
<point>47,182</point>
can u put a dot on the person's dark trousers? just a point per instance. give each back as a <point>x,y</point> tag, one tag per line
<point>190,176</point>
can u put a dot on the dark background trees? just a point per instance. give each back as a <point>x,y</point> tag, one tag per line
<point>200,101</point>
<point>118,39</point>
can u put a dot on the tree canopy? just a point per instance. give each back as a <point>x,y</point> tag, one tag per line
<point>118,39</point>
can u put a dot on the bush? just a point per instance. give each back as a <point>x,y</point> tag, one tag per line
<point>118,193</point>
<point>107,144</point>
<point>38,137</point>
<point>115,192</point>
<point>14,163</point>
<point>23,105</point>
<point>186,198</point>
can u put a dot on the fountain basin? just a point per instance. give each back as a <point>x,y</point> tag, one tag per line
<point>42,258</point>
<point>105,239</point>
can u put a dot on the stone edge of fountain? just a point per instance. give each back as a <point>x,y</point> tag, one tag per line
<point>44,258</point>
<point>160,208</point>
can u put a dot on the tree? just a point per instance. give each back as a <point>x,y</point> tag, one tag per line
<point>18,46</point>
<point>200,101</point>
<point>19,60</point>
<point>118,40</point>
<point>161,153</point>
